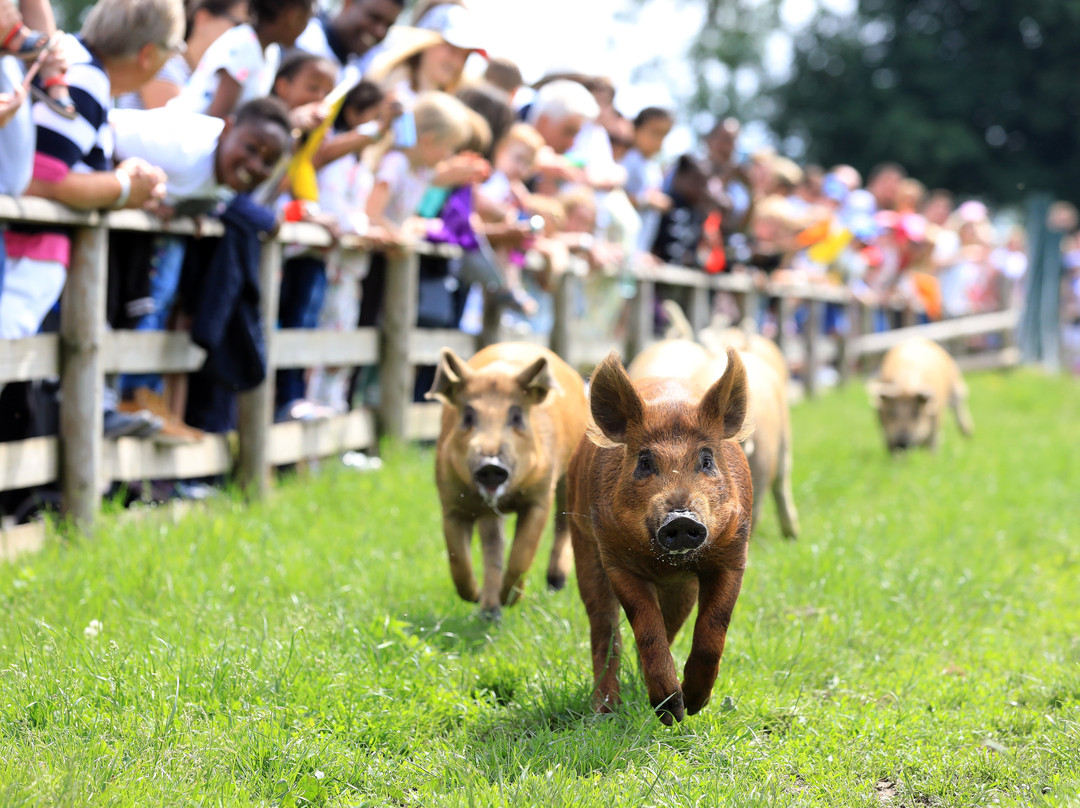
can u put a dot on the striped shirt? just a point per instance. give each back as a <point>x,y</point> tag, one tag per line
<point>83,144</point>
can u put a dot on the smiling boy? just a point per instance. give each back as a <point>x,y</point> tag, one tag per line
<point>207,161</point>
<point>206,158</point>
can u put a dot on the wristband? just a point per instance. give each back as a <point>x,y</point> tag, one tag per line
<point>125,187</point>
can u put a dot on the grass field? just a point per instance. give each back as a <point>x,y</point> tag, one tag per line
<point>919,645</point>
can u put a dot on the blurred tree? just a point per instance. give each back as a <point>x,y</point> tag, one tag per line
<point>70,13</point>
<point>976,96</point>
<point>728,57</point>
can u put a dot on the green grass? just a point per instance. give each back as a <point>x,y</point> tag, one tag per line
<point>919,645</point>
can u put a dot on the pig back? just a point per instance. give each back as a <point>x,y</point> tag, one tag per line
<point>669,358</point>
<point>919,364</point>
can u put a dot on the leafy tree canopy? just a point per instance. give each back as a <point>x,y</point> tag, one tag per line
<point>979,96</point>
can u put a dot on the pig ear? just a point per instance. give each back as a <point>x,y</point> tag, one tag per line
<point>450,376</point>
<point>614,403</point>
<point>878,392</point>
<point>724,403</point>
<point>537,380</point>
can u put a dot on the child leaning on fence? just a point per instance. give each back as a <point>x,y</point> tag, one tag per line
<point>242,63</point>
<point>344,187</point>
<point>123,44</point>
<point>207,162</point>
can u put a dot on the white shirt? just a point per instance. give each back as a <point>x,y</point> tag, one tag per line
<point>407,186</point>
<point>344,187</point>
<point>183,144</point>
<point>239,54</point>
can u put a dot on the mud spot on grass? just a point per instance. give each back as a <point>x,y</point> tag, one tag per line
<point>886,791</point>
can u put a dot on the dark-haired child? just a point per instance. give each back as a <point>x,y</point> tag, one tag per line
<point>243,62</point>
<point>644,177</point>
<point>303,81</point>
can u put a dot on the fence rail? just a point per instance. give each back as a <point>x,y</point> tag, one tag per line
<point>84,351</point>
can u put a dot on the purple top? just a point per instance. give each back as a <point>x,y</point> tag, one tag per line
<point>454,215</point>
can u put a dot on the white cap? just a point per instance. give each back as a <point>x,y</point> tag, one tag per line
<point>456,24</point>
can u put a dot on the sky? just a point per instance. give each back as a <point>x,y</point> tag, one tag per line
<point>616,37</point>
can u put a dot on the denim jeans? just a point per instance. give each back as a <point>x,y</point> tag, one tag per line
<point>164,280</point>
<point>303,288</point>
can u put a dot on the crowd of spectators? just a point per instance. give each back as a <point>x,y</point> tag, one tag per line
<point>395,126</point>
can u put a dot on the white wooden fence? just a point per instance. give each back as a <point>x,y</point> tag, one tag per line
<point>84,351</point>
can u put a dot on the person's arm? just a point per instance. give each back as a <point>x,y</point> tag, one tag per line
<point>10,103</point>
<point>99,189</point>
<point>158,92</point>
<point>38,15</point>
<point>377,201</point>
<point>228,93</point>
<point>339,145</point>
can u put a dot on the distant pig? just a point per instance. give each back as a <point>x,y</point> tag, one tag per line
<point>917,380</point>
<point>660,501</point>
<point>512,416</point>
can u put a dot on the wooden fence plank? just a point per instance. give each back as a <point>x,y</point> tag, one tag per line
<point>399,316</point>
<point>257,405</point>
<point>427,344</point>
<point>24,463</point>
<point>29,358</point>
<point>295,441</point>
<point>20,539</point>
<point>299,347</point>
<point>82,383</point>
<point>973,325</point>
<point>133,459</point>
<point>151,352</point>
<point>423,420</point>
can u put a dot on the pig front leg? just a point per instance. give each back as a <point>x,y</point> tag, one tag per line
<point>642,606</point>
<point>716,601</point>
<point>561,552</point>
<point>458,534</point>
<point>530,527</point>
<point>492,543</point>
<point>602,607</point>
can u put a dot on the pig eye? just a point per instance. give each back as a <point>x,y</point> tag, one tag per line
<point>468,418</point>
<point>516,418</point>
<point>706,462</point>
<point>646,465</point>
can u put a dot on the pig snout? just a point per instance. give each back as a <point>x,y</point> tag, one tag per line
<point>681,532</point>
<point>491,474</point>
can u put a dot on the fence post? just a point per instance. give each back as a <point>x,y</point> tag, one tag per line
<point>642,317</point>
<point>813,341</point>
<point>845,361</point>
<point>866,326</point>
<point>399,319</point>
<point>908,315</point>
<point>699,308</point>
<point>492,320</point>
<point>257,406</point>
<point>783,314</point>
<point>749,309</point>
<point>82,382</point>
<point>560,338</point>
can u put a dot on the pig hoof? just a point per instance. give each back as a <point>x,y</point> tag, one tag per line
<point>492,614</point>
<point>670,709</point>
<point>694,706</point>
<point>556,581</point>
